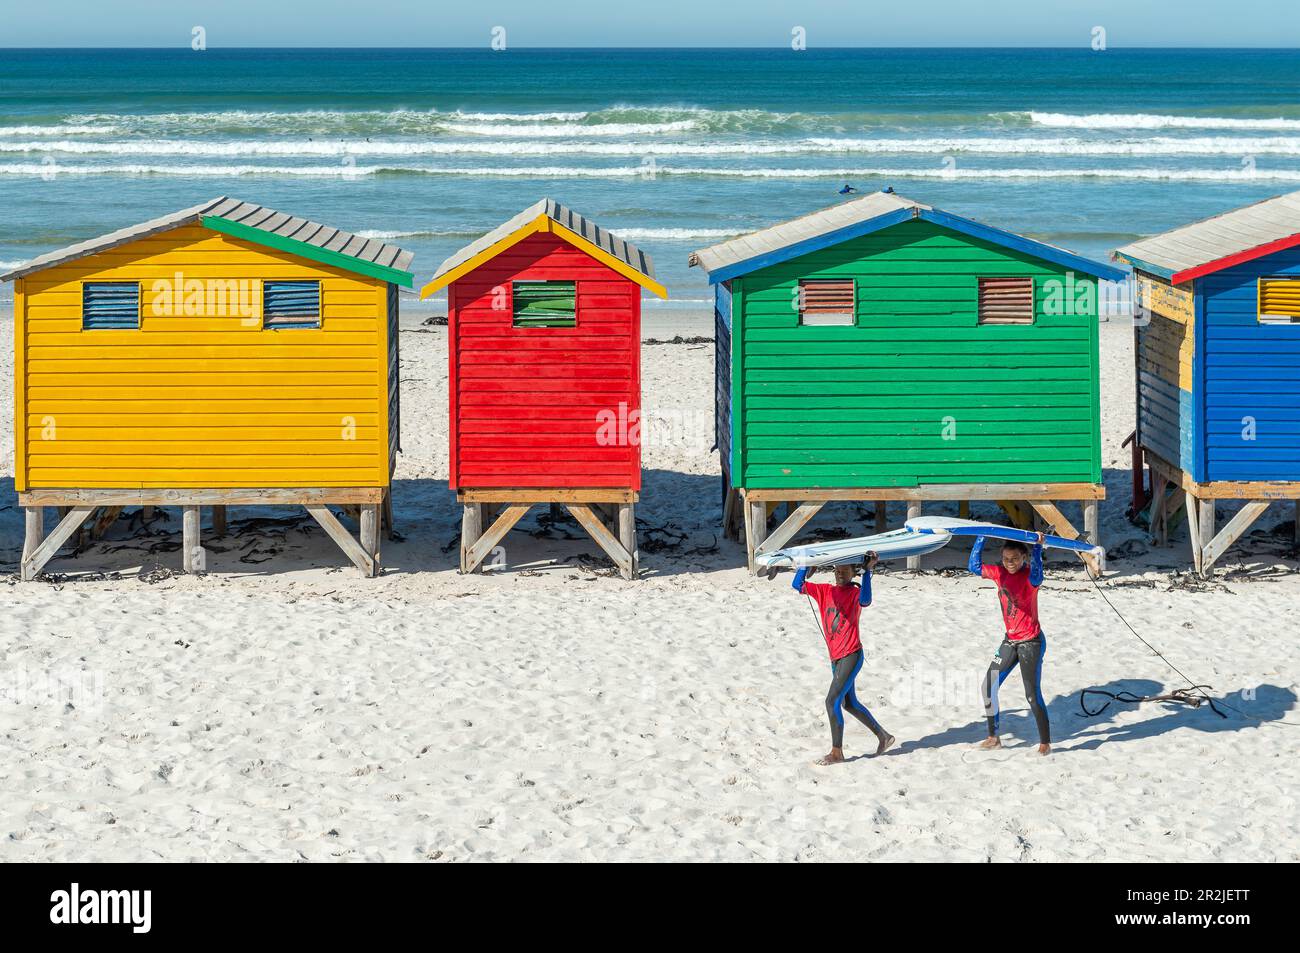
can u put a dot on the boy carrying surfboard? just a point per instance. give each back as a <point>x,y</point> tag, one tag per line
<point>1024,643</point>
<point>838,607</point>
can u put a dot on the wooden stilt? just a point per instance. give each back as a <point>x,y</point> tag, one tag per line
<point>1296,525</point>
<point>35,518</point>
<point>388,515</point>
<point>191,553</point>
<point>370,517</point>
<point>1205,522</point>
<point>627,533</point>
<point>1194,530</point>
<point>963,509</point>
<point>882,516</point>
<point>1159,521</point>
<point>730,510</point>
<point>755,528</point>
<point>218,521</point>
<point>336,531</point>
<point>913,511</point>
<point>471,528</point>
<point>71,522</point>
<point>1092,532</point>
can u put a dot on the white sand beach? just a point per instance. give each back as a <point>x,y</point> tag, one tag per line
<point>282,708</point>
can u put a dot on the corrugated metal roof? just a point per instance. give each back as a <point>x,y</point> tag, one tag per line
<point>602,238</point>
<point>1228,235</point>
<point>243,213</point>
<point>828,220</point>
<point>847,220</point>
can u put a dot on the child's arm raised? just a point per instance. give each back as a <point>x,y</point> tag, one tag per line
<point>976,562</point>
<point>799,578</point>
<point>1036,563</point>
<point>864,597</point>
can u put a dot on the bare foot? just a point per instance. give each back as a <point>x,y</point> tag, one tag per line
<point>886,743</point>
<point>835,757</point>
<point>989,743</point>
<point>1044,749</point>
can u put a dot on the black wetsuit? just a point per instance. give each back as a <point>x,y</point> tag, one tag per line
<point>1028,653</point>
<point>842,695</point>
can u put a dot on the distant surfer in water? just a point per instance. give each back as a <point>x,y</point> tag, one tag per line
<point>838,608</point>
<point>847,190</point>
<point>1024,643</point>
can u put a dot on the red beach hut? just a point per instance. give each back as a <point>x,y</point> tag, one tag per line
<point>544,325</point>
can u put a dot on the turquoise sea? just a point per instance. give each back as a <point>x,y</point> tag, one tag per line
<point>674,149</point>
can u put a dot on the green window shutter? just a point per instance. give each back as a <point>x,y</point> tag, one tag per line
<point>545,304</point>
<point>109,305</point>
<point>290,304</point>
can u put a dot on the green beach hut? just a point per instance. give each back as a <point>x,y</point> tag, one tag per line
<point>882,349</point>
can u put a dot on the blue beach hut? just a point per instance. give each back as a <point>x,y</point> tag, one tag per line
<point>1218,368</point>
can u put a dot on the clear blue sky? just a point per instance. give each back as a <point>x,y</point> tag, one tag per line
<point>433,23</point>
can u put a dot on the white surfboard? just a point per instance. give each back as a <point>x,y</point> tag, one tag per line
<point>896,544</point>
<point>949,526</point>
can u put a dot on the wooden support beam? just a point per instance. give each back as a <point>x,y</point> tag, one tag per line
<point>1159,523</point>
<point>192,559</point>
<point>606,540</point>
<point>388,514</point>
<point>913,511</point>
<point>507,495</point>
<point>1194,530</point>
<point>71,522</point>
<point>939,492</point>
<point>473,555</point>
<point>627,533</point>
<point>290,496</point>
<point>730,508</point>
<point>882,516</point>
<point>471,528</point>
<point>35,530</point>
<point>370,518</point>
<point>1055,520</point>
<point>963,509</point>
<point>755,528</point>
<point>1206,523</point>
<point>1231,531</point>
<point>107,517</point>
<point>351,548</point>
<point>796,521</point>
<point>219,528</point>
<point>1092,532</point>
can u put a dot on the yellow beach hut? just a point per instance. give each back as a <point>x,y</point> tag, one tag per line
<point>226,354</point>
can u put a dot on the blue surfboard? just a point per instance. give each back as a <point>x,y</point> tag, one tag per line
<point>952,526</point>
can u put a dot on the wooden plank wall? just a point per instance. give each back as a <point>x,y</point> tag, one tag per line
<point>1252,370</point>
<point>722,374</point>
<point>527,399</point>
<point>873,404</point>
<point>207,399</point>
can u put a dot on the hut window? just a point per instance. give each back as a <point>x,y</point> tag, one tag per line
<point>1279,300</point>
<point>544,304</point>
<point>826,301</point>
<point>110,304</point>
<point>1006,300</point>
<point>290,304</point>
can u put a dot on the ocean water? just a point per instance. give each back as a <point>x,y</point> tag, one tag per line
<point>672,149</point>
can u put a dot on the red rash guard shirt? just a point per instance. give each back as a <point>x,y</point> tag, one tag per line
<point>839,609</point>
<point>1019,598</point>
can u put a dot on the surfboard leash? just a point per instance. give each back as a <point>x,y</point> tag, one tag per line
<point>1178,695</point>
